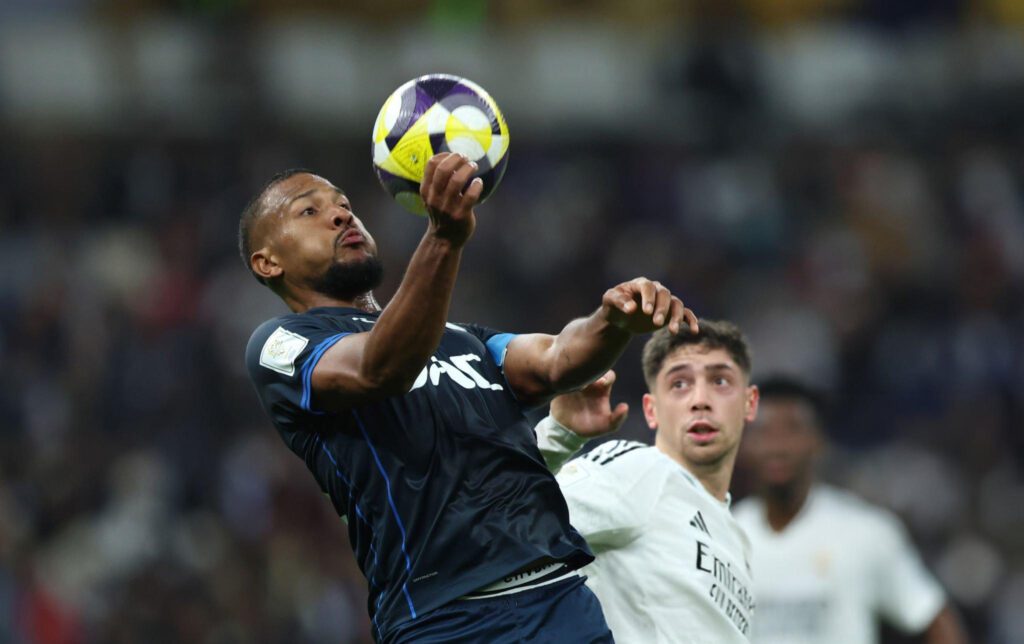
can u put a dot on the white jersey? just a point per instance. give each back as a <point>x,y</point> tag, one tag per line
<point>837,567</point>
<point>672,563</point>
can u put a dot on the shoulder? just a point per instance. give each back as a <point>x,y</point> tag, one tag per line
<point>842,507</point>
<point>835,501</point>
<point>278,343</point>
<point>496,342</point>
<point>628,454</point>
<point>620,461</point>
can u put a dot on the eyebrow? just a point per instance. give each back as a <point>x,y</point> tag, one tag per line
<point>310,192</point>
<point>686,366</point>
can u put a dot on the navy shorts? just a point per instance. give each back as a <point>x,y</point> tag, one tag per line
<point>565,612</point>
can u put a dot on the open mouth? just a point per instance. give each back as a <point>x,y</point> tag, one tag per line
<point>702,431</point>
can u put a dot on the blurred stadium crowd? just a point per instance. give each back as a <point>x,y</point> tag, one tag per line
<point>866,233</point>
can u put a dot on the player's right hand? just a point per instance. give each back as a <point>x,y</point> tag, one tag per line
<point>642,306</point>
<point>588,412</point>
<point>448,198</point>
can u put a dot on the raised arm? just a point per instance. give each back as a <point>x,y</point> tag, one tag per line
<point>386,360</point>
<point>539,367</point>
<point>577,417</point>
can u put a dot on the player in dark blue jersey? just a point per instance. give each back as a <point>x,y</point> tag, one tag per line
<point>415,426</point>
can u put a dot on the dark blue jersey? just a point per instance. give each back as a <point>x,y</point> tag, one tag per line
<point>443,487</point>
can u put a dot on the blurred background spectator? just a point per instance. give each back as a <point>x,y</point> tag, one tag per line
<point>842,177</point>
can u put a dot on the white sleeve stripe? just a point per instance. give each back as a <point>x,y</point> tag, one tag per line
<point>610,451</point>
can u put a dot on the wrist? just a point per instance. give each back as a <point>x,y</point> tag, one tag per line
<point>615,322</point>
<point>453,233</point>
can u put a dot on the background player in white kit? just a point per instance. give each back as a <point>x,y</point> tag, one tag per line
<point>827,565</point>
<point>672,564</point>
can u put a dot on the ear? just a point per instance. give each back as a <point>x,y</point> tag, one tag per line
<point>265,264</point>
<point>753,398</point>
<point>649,414</point>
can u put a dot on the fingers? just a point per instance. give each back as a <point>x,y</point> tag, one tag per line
<point>428,175</point>
<point>444,178</point>
<point>472,193</point>
<point>649,305</point>
<point>602,387</point>
<point>691,319</point>
<point>662,305</point>
<point>619,416</point>
<point>648,295</point>
<point>620,298</point>
<point>446,167</point>
<point>676,313</point>
<point>607,380</point>
<point>680,315</point>
<point>655,300</point>
<point>458,180</point>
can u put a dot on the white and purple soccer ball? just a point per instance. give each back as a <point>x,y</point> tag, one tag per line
<point>431,114</point>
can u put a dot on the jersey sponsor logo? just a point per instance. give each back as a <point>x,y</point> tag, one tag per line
<point>698,522</point>
<point>457,369</point>
<point>281,349</point>
<point>730,595</point>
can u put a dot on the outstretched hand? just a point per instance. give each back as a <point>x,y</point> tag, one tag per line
<point>642,306</point>
<point>588,412</point>
<point>448,198</point>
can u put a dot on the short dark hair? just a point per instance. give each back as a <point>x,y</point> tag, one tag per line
<point>252,211</point>
<point>782,387</point>
<point>713,334</point>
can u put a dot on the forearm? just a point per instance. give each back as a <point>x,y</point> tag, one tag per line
<point>409,329</point>
<point>584,350</point>
<point>539,367</point>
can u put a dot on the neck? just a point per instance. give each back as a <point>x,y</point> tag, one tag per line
<point>302,302</point>
<point>784,502</point>
<point>715,477</point>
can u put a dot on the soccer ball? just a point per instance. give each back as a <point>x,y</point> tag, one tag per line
<point>431,114</point>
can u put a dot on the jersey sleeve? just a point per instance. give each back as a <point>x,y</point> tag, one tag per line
<point>907,595</point>
<point>281,356</point>
<point>609,504</point>
<point>495,341</point>
<point>557,443</point>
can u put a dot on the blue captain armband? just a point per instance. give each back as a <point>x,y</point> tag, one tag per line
<point>497,345</point>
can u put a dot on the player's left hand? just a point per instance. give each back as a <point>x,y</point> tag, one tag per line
<point>588,412</point>
<point>642,306</point>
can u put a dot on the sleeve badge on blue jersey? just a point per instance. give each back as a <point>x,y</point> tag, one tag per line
<point>281,349</point>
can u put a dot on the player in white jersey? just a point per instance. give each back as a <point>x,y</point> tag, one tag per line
<point>672,564</point>
<point>827,565</point>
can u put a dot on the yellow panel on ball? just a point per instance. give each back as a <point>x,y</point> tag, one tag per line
<point>409,157</point>
<point>468,132</point>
